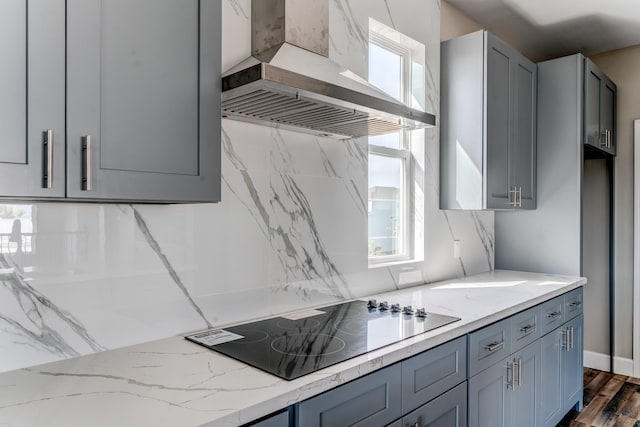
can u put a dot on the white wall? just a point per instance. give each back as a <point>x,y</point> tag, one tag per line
<point>290,232</point>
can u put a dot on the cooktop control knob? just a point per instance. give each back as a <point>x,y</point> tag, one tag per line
<point>407,310</point>
<point>383,306</point>
<point>395,308</point>
<point>372,304</point>
<point>421,312</point>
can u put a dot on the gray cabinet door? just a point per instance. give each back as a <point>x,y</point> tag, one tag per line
<point>373,400</point>
<point>32,48</point>
<point>592,103</point>
<point>609,114</point>
<point>526,389</point>
<point>489,398</point>
<point>143,100</point>
<point>599,109</point>
<point>572,369</point>
<point>498,119</point>
<point>433,372</point>
<point>447,410</point>
<point>551,402</point>
<point>522,148</point>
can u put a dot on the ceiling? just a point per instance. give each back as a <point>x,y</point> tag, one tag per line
<point>544,29</point>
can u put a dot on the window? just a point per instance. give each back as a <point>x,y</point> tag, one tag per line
<point>389,222</point>
<point>396,66</point>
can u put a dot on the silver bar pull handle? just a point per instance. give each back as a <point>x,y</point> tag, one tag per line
<point>528,328</point>
<point>513,201</point>
<point>575,304</point>
<point>87,172</point>
<point>609,141</point>
<point>571,338</point>
<point>47,159</point>
<point>554,315</point>
<point>494,346</point>
<point>565,339</point>
<point>517,374</point>
<point>510,368</point>
<point>519,197</point>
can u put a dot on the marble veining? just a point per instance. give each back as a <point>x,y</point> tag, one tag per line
<point>153,244</point>
<point>39,317</point>
<point>453,237</point>
<point>238,8</point>
<point>393,25</point>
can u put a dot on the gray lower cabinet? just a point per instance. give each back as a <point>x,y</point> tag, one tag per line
<point>488,125</point>
<point>143,100</point>
<point>373,400</point>
<point>551,401</point>
<point>507,393</point>
<point>427,375</point>
<point>572,370</point>
<point>526,371</point>
<point>32,100</point>
<point>489,396</point>
<point>428,388</point>
<point>447,410</point>
<point>562,372</point>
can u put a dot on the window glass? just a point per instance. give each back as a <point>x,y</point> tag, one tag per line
<point>385,205</point>
<point>390,140</point>
<point>385,70</point>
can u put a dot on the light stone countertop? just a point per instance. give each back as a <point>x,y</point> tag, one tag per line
<point>173,382</point>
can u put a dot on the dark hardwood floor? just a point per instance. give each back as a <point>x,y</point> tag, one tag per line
<point>609,401</point>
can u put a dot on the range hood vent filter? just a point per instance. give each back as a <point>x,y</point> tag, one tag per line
<point>268,88</point>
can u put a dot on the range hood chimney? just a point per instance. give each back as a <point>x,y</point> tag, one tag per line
<point>290,82</point>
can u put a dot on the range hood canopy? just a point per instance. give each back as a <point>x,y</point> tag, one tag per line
<point>290,82</point>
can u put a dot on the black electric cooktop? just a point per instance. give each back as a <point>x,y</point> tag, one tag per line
<point>304,342</point>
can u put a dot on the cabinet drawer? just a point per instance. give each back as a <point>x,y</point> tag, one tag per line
<point>551,314</point>
<point>572,304</point>
<point>370,400</point>
<point>433,372</point>
<point>525,328</point>
<point>489,345</point>
<point>447,410</point>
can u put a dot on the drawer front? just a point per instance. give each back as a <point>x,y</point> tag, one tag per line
<point>525,328</point>
<point>373,400</point>
<point>447,410</point>
<point>552,314</point>
<point>573,304</point>
<point>433,372</point>
<point>489,345</point>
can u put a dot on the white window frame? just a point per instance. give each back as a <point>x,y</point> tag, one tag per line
<point>404,154</point>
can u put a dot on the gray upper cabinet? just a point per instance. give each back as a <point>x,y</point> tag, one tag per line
<point>599,109</point>
<point>32,84</point>
<point>488,125</point>
<point>143,100</point>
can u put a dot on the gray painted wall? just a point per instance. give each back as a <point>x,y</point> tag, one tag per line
<point>595,255</point>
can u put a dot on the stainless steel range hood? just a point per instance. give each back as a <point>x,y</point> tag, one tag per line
<point>289,81</point>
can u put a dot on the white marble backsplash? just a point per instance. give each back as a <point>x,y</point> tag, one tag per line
<point>290,232</point>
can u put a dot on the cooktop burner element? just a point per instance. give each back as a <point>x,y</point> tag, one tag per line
<point>293,346</point>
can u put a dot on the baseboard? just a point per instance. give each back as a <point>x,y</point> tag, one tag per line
<point>621,365</point>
